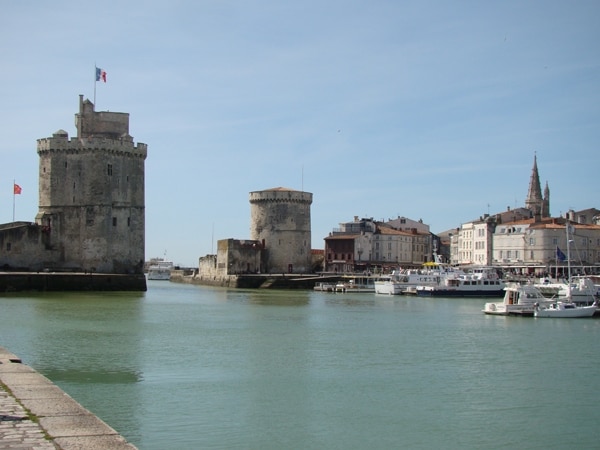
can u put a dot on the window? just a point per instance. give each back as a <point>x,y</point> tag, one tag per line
<point>114,221</point>
<point>109,169</point>
<point>129,221</point>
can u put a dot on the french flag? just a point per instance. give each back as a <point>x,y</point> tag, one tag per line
<point>100,74</point>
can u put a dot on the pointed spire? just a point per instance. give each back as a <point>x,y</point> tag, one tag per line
<point>546,206</point>
<point>534,200</point>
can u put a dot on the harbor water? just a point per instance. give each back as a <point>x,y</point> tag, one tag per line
<point>192,367</point>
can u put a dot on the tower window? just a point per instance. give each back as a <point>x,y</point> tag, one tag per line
<point>129,221</point>
<point>114,221</point>
<point>109,169</point>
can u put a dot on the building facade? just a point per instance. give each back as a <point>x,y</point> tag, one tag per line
<point>367,245</point>
<point>526,240</point>
<point>546,245</point>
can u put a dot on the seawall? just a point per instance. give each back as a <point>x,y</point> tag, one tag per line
<point>253,281</point>
<point>36,414</point>
<point>67,281</point>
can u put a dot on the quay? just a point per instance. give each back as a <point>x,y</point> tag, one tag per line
<point>254,281</point>
<point>36,414</point>
<point>70,281</point>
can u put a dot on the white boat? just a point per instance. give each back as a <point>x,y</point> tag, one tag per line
<point>519,300</point>
<point>160,270</point>
<point>564,310</point>
<point>476,282</point>
<point>579,290</point>
<point>400,282</point>
<point>324,286</point>
<point>406,281</point>
<point>356,283</point>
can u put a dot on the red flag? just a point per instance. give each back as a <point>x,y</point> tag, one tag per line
<point>17,189</point>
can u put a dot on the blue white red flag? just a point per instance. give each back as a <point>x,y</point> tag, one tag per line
<point>100,74</point>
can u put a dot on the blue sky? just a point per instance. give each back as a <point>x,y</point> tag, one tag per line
<point>430,110</point>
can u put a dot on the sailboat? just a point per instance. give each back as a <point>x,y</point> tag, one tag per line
<point>566,306</point>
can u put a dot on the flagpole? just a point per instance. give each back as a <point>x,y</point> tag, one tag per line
<point>13,200</point>
<point>95,81</point>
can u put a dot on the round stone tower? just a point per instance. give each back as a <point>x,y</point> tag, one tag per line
<point>280,219</point>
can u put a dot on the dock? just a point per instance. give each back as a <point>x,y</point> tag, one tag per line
<point>36,414</point>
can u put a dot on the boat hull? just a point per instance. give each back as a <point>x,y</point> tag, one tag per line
<point>559,313</point>
<point>440,292</point>
<point>500,309</point>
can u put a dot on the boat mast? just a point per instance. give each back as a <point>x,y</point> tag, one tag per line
<point>568,253</point>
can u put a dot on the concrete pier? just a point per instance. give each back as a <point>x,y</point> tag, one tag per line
<point>254,281</point>
<point>36,414</point>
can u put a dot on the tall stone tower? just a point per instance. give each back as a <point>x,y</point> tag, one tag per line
<point>539,205</point>
<point>280,219</point>
<point>91,195</point>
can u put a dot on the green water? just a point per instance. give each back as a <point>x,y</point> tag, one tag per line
<point>190,367</point>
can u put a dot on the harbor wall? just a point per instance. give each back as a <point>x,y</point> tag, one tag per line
<point>251,281</point>
<point>52,415</point>
<point>30,281</point>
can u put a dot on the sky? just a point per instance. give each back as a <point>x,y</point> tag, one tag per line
<point>430,110</point>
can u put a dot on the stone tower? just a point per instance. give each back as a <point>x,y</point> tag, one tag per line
<point>91,195</point>
<point>539,205</point>
<point>280,219</point>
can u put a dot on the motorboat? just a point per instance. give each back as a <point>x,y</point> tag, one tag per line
<point>574,296</point>
<point>564,310</point>
<point>402,281</point>
<point>160,270</point>
<point>388,285</point>
<point>406,281</point>
<point>476,282</point>
<point>519,300</point>
<point>356,283</point>
<point>324,286</point>
<point>580,290</point>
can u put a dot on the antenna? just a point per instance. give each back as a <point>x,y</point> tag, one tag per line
<point>302,188</point>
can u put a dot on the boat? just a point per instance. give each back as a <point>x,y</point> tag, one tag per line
<point>577,291</point>
<point>580,290</point>
<point>356,283</point>
<point>324,286</point>
<point>564,310</point>
<point>476,282</point>
<point>519,300</point>
<point>160,269</point>
<point>406,281</point>
<point>402,281</point>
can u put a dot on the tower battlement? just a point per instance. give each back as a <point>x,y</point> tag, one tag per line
<point>123,146</point>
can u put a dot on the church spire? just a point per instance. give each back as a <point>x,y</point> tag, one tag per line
<point>534,201</point>
<point>546,207</point>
